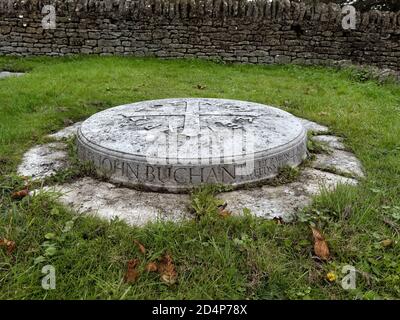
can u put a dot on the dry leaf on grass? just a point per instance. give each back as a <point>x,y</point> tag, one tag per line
<point>151,267</point>
<point>167,271</point>
<point>8,244</point>
<point>131,274</point>
<point>387,242</point>
<point>20,194</point>
<point>141,247</point>
<point>223,212</point>
<point>320,246</point>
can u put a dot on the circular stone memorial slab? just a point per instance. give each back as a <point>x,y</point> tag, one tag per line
<point>175,144</point>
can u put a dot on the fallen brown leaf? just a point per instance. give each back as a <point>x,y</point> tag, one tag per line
<point>225,213</point>
<point>8,244</point>
<point>387,242</point>
<point>141,247</point>
<point>131,274</point>
<point>320,246</point>
<point>167,271</point>
<point>151,267</point>
<point>20,194</point>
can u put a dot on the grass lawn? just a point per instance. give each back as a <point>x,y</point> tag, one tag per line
<point>216,258</point>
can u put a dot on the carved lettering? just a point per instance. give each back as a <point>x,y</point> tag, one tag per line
<point>106,164</point>
<point>228,176</point>
<point>202,142</point>
<point>176,175</point>
<point>150,173</point>
<point>192,175</point>
<point>212,176</point>
<point>166,176</point>
<point>119,166</point>
<point>132,171</point>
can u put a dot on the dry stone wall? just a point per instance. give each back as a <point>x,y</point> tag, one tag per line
<point>257,31</point>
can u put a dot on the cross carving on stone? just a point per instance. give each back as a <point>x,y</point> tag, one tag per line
<point>192,116</point>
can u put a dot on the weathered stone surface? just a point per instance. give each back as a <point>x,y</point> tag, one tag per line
<point>7,74</point>
<point>283,201</point>
<point>107,201</point>
<point>313,126</point>
<point>66,133</point>
<point>339,161</point>
<point>44,160</point>
<point>175,144</point>
<point>331,141</point>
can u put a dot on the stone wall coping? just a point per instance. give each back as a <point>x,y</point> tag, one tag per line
<point>281,10</point>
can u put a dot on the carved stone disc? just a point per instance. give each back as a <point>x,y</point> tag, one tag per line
<point>175,144</point>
